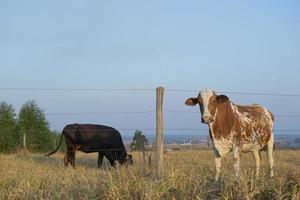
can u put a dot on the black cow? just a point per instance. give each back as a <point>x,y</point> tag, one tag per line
<point>94,138</point>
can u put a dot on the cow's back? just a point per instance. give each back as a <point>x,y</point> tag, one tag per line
<point>91,137</point>
<point>256,124</point>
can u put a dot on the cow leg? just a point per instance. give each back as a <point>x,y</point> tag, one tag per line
<point>257,162</point>
<point>112,162</point>
<point>218,163</point>
<point>270,155</point>
<point>236,161</point>
<point>72,158</point>
<point>100,159</point>
<point>66,159</point>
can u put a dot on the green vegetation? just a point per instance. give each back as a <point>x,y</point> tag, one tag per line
<point>30,130</point>
<point>8,133</point>
<point>187,175</point>
<point>34,127</point>
<point>139,141</point>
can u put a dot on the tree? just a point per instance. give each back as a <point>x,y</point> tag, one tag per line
<point>34,128</point>
<point>139,142</point>
<point>8,137</point>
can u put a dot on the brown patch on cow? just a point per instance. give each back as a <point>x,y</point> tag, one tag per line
<point>224,120</point>
<point>191,101</point>
<point>255,111</point>
<point>212,104</point>
<point>272,116</point>
<point>245,125</point>
<point>259,130</point>
<point>237,124</point>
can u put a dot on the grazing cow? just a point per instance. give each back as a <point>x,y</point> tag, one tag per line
<point>94,138</point>
<point>235,128</point>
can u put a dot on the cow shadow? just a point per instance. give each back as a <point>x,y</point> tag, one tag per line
<point>91,163</point>
<point>57,161</point>
<point>40,159</point>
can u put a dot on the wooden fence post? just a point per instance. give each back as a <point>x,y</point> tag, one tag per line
<point>159,131</point>
<point>24,140</point>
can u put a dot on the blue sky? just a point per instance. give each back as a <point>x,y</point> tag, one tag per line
<point>246,46</point>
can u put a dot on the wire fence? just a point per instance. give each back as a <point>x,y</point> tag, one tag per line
<point>78,89</point>
<point>147,90</point>
<point>168,129</point>
<point>146,112</point>
<point>240,93</point>
<point>102,113</point>
<point>20,89</point>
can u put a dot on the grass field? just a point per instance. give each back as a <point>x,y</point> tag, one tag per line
<point>187,175</point>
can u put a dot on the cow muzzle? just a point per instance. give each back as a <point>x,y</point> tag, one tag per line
<point>207,119</point>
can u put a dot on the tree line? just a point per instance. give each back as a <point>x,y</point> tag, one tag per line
<point>28,130</point>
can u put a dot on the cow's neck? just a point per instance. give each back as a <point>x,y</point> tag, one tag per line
<point>223,123</point>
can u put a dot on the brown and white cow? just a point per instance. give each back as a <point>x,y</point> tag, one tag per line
<point>235,128</point>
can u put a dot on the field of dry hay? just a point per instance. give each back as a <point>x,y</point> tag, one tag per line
<point>187,175</point>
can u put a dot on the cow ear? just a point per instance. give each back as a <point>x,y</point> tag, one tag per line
<point>222,98</point>
<point>191,101</point>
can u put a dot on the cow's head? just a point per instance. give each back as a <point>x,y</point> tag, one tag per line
<point>127,159</point>
<point>208,102</point>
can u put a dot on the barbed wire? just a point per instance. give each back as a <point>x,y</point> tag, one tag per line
<point>92,150</point>
<point>102,113</point>
<point>165,129</point>
<point>197,112</point>
<point>146,112</point>
<point>148,90</point>
<point>78,89</point>
<point>153,111</point>
<point>240,93</point>
<point>261,94</point>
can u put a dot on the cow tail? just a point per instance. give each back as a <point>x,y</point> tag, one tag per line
<point>57,147</point>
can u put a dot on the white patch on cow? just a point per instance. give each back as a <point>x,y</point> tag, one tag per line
<point>250,147</point>
<point>268,117</point>
<point>221,146</point>
<point>215,116</point>
<point>206,95</point>
<point>270,155</point>
<point>243,116</point>
<point>254,130</point>
<point>259,127</point>
<point>218,167</point>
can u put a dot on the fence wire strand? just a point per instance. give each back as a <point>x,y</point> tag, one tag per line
<point>240,93</point>
<point>165,129</point>
<point>153,111</point>
<point>102,113</point>
<point>197,112</point>
<point>149,90</point>
<point>146,112</point>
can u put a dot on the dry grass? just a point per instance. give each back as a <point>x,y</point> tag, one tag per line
<point>187,175</point>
